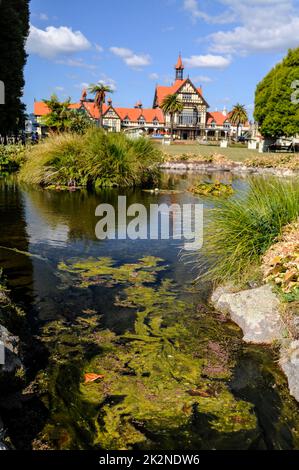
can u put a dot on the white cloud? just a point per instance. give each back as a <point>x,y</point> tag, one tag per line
<point>76,63</point>
<point>43,17</point>
<point>207,61</point>
<point>130,58</point>
<point>52,42</point>
<point>153,76</point>
<point>261,25</point>
<point>202,79</point>
<point>192,7</point>
<point>99,48</point>
<point>59,88</point>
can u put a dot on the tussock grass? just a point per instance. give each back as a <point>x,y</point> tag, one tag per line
<point>95,158</point>
<point>241,229</point>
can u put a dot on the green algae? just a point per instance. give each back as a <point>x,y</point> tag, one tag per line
<point>157,377</point>
<point>215,189</point>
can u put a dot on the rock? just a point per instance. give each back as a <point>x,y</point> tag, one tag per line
<point>289,362</point>
<point>256,311</point>
<point>11,343</point>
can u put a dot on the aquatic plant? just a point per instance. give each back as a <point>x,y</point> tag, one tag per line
<point>154,378</point>
<point>94,158</point>
<point>241,229</point>
<point>212,189</point>
<point>11,157</point>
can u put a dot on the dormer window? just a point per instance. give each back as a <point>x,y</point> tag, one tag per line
<point>187,97</point>
<point>126,121</point>
<point>141,121</point>
<point>226,125</point>
<point>155,122</point>
<point>213,124</point>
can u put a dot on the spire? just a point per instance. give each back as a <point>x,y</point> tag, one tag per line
<point>179,69</point>
<point>179,65</point>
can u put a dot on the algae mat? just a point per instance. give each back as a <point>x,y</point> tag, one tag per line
<point>165,383</point>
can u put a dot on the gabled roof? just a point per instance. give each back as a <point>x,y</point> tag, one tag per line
<point>217,117</point>
<point>41,109</point>
<point>163,91</point>
<point>134,114</point>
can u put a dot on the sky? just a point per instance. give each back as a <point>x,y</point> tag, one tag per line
<point>227,46</point>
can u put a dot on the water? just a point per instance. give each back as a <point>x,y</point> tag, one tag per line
<point>176,373</point>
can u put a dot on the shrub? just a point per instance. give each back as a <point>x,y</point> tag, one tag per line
<point>94,158</point>
<point>241,229</point>
<point>11,157</point>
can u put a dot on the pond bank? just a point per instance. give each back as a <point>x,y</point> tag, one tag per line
<point>269,314</point>
<point>232,167</point>
<point>12,371</point>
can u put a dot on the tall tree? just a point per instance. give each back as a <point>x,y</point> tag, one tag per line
<point>14,29</point>
<point>238,116</point>
<point>172,105</point>
<point>100,90</point>
<point>59,117</point>
<point>275,111</point>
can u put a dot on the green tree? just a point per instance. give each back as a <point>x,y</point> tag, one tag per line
<point>58,119</point>
<point>100,90</point>
<point>275,111</point>
<point>172,105</point>
<point>79,122</point>
<point>14,29</point>
<point>238,116</point>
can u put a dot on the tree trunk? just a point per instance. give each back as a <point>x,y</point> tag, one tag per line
<point>171,126</point>
<point>101,115</point>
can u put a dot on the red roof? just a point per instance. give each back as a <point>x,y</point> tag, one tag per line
<point>217,117</point>
<point>41,109</point>
<point>134,114</point>
<point>163,91</point>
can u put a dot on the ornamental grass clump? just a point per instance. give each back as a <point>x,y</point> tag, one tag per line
<point>96,158</point>
<point>242,228</point>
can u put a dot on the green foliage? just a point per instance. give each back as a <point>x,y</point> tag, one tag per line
<point>274,111</point>
<point>172,105</point>
<point>239,115</point>
<point>95,158</point>
<point>100,90</point>
<point>58,118</point>
<point>11,157</point>
<point>241,229</point>
<point>14,28</point>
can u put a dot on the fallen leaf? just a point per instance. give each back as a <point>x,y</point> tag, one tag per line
<point>199,393</point>
<point>92,377</point>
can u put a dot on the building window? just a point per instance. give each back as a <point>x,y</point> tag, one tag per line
<point>226,125</point>
<point>213,124</point>
<point>126,122</point>
<point>189,117</point>
<point>141,122</point>
<point>155,122</point>
<point>187,97</point>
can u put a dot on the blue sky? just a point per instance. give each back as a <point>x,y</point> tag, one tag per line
<point>227,46</point>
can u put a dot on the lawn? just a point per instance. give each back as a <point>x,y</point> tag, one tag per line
<point>234,153</point>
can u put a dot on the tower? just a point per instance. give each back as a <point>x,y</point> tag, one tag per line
<point>179,69</point>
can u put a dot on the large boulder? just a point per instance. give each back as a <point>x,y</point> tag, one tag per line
<point>256,311</point>
<point>11,344</point>
<point>289,362</point>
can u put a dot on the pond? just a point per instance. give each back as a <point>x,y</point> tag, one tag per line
<point>172,373</point>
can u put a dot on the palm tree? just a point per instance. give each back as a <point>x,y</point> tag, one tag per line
<point>58,118</point>
<point>172,105</point>
<point>238,116</point>
<point>100,90</point>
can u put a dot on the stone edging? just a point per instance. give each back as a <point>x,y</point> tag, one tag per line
<point>234,168</point>
<point>257,313</point>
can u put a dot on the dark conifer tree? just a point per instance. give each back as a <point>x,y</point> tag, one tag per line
<point>14,29</point>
